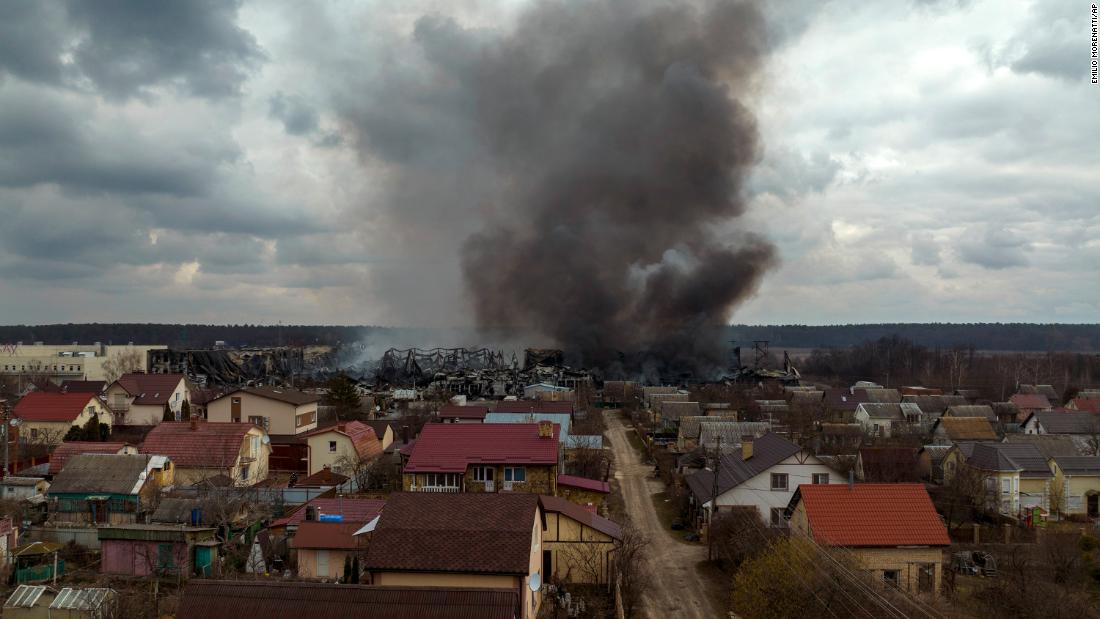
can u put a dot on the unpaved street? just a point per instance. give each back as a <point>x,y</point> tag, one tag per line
<point>677,589</point>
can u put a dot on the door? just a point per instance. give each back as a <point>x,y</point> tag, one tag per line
<point>235,409</point>
<point>1093,505</point>
<point>547,565</point>
<point>321,560</point>
<point>203,560</point>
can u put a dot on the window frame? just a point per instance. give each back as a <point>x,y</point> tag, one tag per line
<point>819,476</point>
<point>510,474</point>
<point>786,482</point>
<point>778,518</point>
<point>484,473</point>
<point>332,447</point>
<point>895,581</point>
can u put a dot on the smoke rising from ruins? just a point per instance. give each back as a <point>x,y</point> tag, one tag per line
<point>599,152</point>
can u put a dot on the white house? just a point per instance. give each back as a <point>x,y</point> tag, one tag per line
<point>881,419</point>
<point>765,476</point>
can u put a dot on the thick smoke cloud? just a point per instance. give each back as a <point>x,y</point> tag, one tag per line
<point>603,145</point>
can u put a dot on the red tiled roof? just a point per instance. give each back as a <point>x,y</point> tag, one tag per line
<point>324,477</point>
<point>68,449</point>
<point>1030,401</point>
<point>210,445</point>
<point>553,504</point>
<point>52,406</point>
<point>451,447</point>
<point>471,411</point>
<point>455,532</point>
<point>353,510</point>
<point>584,483</point>
<point>872,515</point>
<point>150,388</point>
<point>362,437</point>
<point>83,386</point>
<point>1091,405</point>
<point>330,535</point>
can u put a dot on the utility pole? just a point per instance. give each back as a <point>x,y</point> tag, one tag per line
<point>714,497</point>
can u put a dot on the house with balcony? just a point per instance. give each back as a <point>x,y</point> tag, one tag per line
<point>138,399</point>
<point>343,448</point>
<point>485,457</point>
<point>204,450</point>
<point>45,416</point>
<point>280,412</point>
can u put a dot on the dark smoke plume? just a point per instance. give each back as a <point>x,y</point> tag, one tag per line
<point>604,150</point>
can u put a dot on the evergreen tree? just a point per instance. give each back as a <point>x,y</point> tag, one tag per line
<point>91,429</point>
<point>168,414</point>
<point>185,411</point>
<point>355,570</point>
<point>75,433</point>
<point>347,569</point>
<point>343,394</point>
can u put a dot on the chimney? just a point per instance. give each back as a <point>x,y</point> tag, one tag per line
<point>546,429</point>
<point>405,434</point>
<point>311,512</point>
<point>194,422</point>
<point>746,446</point>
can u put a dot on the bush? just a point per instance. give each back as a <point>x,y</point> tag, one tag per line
<point>1088,543</point>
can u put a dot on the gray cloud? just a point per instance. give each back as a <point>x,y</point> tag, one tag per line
<point>994,248</point>
<point>32,35</point>
<point>925,250</point>
<point>297,115</point>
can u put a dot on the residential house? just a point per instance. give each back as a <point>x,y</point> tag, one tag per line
<point>887,464</point>
<point>842,403</point>
<point>45,417</point>
<point>14,488</point>
<point>546,391</point>
<point>671,411</point>
<point>469,413</point>
<point>1016,476</point>
<point>345,448</point>
<point>280,412</point>
<point>949,430</point>
<point>383,430</point>
<point>764,475</point>
<point>1029,403</point>
<point>1050,445</point>
<point>1008,414</point>
<point>891,530</point>
<point>841,438</point>
<point>1047,391</point>
<point>578,545</point>
<point>582,491</point>
<point>726,436</point>
<point>1063,422</point>
<point>201,450</point>
<point>1090,404</point>
<point>1078,478</point>
<point>322,548</point>
<point>687,433</point>
<point>879,395</point>
<point>562,419</point>
<point>158,549</point>
<point>930,462</point>
<point>107,488</point>
<point>972,410</point>
<point>42,602</point>
<point>349,509</point>
<point>138,399</point>
<point>440,540</point>
<point>325,478</point>
<point>887,419</point>
<point>972,396</point>
<point>532,406</point>
<point>83,386</point>
<point>918,390</point>
<point>225,599</point>
<point>934,405</point>
<point>487,457</point>
<point>68,449</point>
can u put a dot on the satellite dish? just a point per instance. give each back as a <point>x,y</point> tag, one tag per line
<point>535,581</point>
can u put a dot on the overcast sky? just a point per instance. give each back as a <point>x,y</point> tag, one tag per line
<point>204,162</point>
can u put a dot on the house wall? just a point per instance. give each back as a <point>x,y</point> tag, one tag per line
<point>140,558</point>
<point>307,563</point>
<point>579,554</point>
<point>445,579</point>
<point>147,414</point>
<point>320,456</point>
<point>1034,492</point>
<point>868,423</point>
<point>757,491</point>
<point>540,479</point>
<point>581,496</point>
<point>52,432</point>
<point>283,417</point>
<point>1075,490</point>
<point>18,493</point>
<point>387,438</point>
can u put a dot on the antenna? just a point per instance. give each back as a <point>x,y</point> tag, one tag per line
<point>535,582</point>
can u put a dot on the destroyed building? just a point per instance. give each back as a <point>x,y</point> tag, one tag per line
<point>245,366</point>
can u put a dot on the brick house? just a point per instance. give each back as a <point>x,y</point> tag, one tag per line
<point>583,491</point>
<point>891,530</point>
<point>484,457</point>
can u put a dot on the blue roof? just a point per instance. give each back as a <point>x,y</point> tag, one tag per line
<point>562,419</point>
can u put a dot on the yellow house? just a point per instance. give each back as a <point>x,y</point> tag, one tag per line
<point>343,448</point>
<point>45,417</point>
<point>138,399</point>
<point>444,539</point>
<point>1077,479</point>
<point>892,531</point>
<point>277,411</point>
<point>1016,476</point>
<point>578,545</point>
<point>205,450</point>
<point>322,548</point>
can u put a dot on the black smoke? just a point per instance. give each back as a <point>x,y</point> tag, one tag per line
<point>600,150</point>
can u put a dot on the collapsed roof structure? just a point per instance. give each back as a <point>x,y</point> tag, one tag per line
<point>476,372</point>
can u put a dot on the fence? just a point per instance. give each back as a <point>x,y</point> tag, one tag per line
<point>84,536</point>
<point>39,572</point>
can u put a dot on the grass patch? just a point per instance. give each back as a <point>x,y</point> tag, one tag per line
<point>666,513</point>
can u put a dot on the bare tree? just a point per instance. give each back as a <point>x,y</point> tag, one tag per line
<point>366,473</point>
<point>129,360</point>
<point>630,562</point>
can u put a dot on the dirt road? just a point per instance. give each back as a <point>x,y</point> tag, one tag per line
<point>677,588</point>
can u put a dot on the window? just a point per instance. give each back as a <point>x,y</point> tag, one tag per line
<point>332,447</point>
<point>891,578</point>
<point>1006,486</point>
<point>926,577</point>
<point>260,422</point>
<point>165,556</point>
<point>244,472</point>
<point>821,478</point>
<point>779,519</point>
<point>448,480</point>
<point>515,473</point>
<point>483,473</point>
<point>779,481</point>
